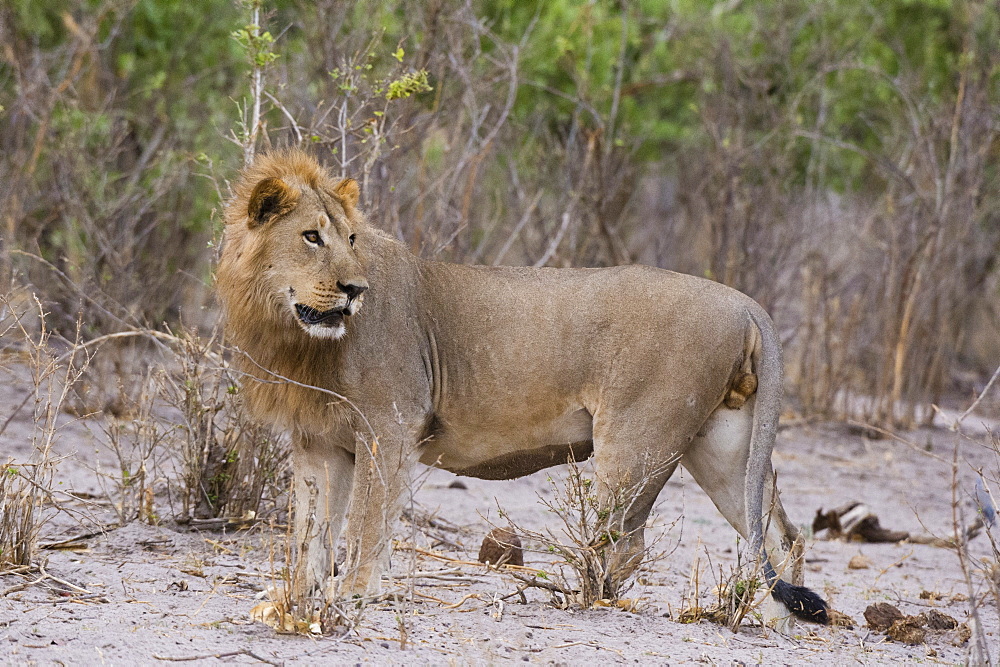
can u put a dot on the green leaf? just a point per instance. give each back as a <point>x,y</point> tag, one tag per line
<point>407,85</point>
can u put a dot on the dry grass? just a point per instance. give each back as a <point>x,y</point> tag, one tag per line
<point>182,437</point>
<point>587,571</point>
<point>737,589</point>
<point>315,616</point>
<point>228,463</point>
<point>137,444</point>
<point>982,575</point>
<point>26,486</point>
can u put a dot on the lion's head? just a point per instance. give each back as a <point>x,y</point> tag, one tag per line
<point>290,246</point>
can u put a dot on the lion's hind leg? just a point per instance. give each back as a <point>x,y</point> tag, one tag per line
<point>633,460</point>
<point>717,459</point>
<point>625,498</point>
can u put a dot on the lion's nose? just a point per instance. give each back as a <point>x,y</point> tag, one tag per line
<point>353,288</point>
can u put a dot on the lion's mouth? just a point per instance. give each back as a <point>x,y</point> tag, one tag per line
<point>312,317</point>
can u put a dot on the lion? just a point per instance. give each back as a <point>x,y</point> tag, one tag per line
<point>374,359</point>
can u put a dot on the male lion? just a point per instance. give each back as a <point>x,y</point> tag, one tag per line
<point>375,359</point>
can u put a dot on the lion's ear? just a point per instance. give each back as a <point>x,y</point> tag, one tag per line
<point>348,192</point>
<point>270,198</point>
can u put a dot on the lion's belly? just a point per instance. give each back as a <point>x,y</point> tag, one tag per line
<point>479,449</point>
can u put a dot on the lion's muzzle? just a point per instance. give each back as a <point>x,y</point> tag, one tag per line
<point>312,317</point>
<point>329,323</point>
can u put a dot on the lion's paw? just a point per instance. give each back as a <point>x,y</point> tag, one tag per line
<point>276,613</point>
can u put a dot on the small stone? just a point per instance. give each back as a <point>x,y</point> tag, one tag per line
<point>501,546</point>
<point>859,562</point>
<point>881,615</point>
<point>457,484</point>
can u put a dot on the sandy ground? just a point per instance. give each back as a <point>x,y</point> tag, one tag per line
<point>157,594</point>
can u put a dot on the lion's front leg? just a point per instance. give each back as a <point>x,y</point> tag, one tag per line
<point>324,475</point>
<point>381,476</point>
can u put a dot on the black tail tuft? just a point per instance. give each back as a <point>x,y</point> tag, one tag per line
<point>801,601</point>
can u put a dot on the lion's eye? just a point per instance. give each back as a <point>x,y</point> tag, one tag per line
<point>351,239</point>
<point>312,236</point>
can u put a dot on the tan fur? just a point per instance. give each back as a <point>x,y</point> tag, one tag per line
<point>493,372</point>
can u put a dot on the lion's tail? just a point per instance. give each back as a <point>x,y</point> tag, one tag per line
<point>769,368</point>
